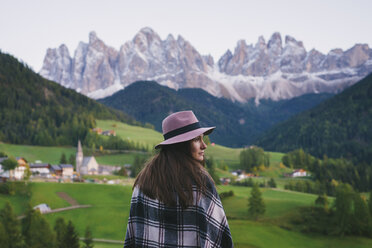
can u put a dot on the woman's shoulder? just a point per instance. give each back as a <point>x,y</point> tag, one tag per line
<point>210,185</point>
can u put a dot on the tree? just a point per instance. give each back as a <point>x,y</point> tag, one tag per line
<point>36,230</point>
<point>253,157</point>
<point>370,203</point>
<point>137,165</point>
<point>256,205</point>
<point>9,164</point>
<point>63,159</point>
<point>60,230</point>
<point>3,155</point>
<point>272,183</point>
<point>12,227</point>
<point>343,205</point>
<point>211,167</point>
<point>72,160</point>
<point>361,221</point>
<point>322,201</point>
<point>71,237</point>
<point>3,236</point>
<point>27,173</point>
<point>121,172</point>
<point>88,239</point>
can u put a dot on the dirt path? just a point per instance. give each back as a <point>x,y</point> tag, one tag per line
<point>67,198</point>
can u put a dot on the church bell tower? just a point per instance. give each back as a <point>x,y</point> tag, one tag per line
<point>79,158</point>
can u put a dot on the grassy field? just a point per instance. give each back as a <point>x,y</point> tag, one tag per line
<point>110,208</point>
<point>46,154</point>
<point>119,159</point>
<point>137,134</point>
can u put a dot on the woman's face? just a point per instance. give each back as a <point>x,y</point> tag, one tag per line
<point>197,148</point>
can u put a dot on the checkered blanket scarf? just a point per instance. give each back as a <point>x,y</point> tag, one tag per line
<point>152,224</point>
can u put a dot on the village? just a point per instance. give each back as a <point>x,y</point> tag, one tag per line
<point>56,172</point>
<point>89,166</point>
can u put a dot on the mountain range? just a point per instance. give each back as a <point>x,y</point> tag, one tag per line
<point>265,70</point>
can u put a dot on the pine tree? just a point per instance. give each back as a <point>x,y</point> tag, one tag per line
<point>63,159</point>
<point>361,221</point>
<point>211,167</point>
<point>12,227</point>
<point>256,205</point>
<point>343,205</point>
<point>88,239</point>
<point>36,230</point>
<point>137,165</point>
<point>9,164</point>
<point>60,230</point>
<point>3,236</point>
<point>322,201</point>
<point>272,183</point>
<point>71,237</point>
<point>370,203</point>
<point>72,160</point>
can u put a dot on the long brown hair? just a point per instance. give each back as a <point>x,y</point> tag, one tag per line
<point>171,173</point>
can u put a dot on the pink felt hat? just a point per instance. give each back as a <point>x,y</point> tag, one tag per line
<point>182,126</point>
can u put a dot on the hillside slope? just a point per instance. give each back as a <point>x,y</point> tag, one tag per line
<point>338,127</point>
<point>237,124</point>
<point>36,111</point>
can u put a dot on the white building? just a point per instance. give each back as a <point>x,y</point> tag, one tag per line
<point>85,165</point>
<point>67,170</point>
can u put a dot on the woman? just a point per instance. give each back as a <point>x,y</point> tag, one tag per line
<point>174,201</point>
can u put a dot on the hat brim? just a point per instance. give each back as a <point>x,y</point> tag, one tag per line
<point>186,136</point>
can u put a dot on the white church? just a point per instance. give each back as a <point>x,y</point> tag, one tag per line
<point>85,165</point>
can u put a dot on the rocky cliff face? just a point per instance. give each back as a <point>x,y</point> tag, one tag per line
<point>264,70</point>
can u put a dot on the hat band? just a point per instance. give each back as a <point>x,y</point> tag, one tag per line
<point>181,130</point>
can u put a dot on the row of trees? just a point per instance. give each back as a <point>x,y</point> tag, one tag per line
<point>349,214</point>
<point>358,175</point>
<point>254,158</point>
<point>250,183</point>
<point>94,141</point>
<point>313,187</point>
<point>33,230</point>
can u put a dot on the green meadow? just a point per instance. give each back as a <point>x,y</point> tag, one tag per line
<point>108,214</point>
<point>110,204</point>
<point>46,154</point>
<point>143,136</point>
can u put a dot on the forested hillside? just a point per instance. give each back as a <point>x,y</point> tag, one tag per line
<point>237,124</point>
<point>338,127</point>
<point>36,111</point>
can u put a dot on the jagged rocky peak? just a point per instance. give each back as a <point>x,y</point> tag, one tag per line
<point>224,60</point>
<point>209,60</point>
<point>289,40</point>
<point>275,45</point>
<point>145,38</point>
<point>358,55</point>
<point>92,37</point>
<point>57,64</point>
<point>180,40</point>
<point>261,44</point>
<point>313,62</point>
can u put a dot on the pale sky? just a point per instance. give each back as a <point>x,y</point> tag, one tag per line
<point>29,27</point>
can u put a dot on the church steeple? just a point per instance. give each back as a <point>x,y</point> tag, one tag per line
<point>79,158</point>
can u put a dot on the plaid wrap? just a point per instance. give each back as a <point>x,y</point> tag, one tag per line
<point>153,224</point>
